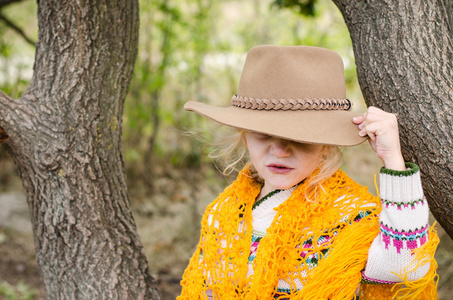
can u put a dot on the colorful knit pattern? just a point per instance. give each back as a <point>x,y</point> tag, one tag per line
<point>403,228</point>
<point>254,247</point>
<point>306,253</point>
<point>410,239</point>
<point>401,205</point>
<point>310,249</point>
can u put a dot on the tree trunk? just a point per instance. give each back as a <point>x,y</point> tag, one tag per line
<point>65,136</point>
<point>404,55</point>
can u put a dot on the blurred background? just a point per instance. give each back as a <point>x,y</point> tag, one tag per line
<point>188,50</point>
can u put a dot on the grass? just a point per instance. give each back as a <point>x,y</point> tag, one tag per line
<point>20,291</point>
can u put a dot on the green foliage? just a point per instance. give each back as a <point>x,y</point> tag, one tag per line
<point>194,50</point>
<point>21,291</point>
<point>16,55</point>
<point>188,50</point>
<point>304,7</point>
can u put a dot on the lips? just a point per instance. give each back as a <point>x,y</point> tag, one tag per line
<point>279,169</point>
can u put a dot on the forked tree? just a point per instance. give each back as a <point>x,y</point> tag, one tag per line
<point>404,57</point>
<point>65,137</point>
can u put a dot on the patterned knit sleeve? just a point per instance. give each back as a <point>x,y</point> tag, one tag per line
<point>403,228</point>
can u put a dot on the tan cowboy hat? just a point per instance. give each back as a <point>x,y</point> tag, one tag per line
<point>292,92</point>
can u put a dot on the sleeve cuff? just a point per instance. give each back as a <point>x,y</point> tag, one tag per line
<point>411,169</point>
<point>401,186</point>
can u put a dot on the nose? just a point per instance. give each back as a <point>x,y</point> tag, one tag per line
<point>280,148</point>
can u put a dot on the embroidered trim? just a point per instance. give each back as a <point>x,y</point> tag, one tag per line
<point>368,280</point>
<point>362,214</point>
<point>412,169</point>
<point>258,233</point>
<point>254,247</point>
<point>401,237</point>
<point>291,104</point>
<point>401,205</point>
<point>257,203</point>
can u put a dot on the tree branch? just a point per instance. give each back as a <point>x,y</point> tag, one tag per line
<point>3,135</point>
<point>13,26</point>
<point>6,2</point>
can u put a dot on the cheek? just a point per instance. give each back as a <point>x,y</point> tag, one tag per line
<point>255,159</point>
<point>255,150</point>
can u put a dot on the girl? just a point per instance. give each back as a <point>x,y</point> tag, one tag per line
<point>294,226</point>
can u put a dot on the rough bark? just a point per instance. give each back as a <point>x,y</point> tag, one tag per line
<point>65,136</point>
<point>404,55</point>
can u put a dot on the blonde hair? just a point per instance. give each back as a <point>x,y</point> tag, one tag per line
<point>231,148</point>
<point>331,162</point>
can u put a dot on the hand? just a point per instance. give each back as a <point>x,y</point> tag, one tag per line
<point>382,128</point>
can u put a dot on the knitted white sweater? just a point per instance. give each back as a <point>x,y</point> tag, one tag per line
<point>403,227</point>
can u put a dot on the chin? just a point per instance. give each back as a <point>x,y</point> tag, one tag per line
<point>283,186</point>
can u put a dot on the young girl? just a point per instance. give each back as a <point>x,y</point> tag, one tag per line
<point>294,226</point>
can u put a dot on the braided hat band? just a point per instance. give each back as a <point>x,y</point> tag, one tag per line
<point>291,104</point>
<point>296,93</point>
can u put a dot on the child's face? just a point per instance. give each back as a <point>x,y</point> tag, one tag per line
<point>282,163</point>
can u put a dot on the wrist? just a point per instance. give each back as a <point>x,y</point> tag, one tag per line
<point>395,163</point>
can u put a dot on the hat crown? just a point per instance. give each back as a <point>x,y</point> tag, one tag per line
<point>296,93</point>
<point>292,72</point>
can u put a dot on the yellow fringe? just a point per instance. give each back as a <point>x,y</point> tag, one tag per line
<point>338,275</point>
<point>376,186</point>
<point>220,262</point>
<point>426,287</point>
<point>422,289</point>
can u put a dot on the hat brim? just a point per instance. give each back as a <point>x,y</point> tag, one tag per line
<point>305,126</point>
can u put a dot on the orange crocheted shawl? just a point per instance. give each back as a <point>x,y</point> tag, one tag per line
<point>221,257</point>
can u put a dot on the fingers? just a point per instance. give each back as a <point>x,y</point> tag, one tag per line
<point>382,128</point>
<point>376,122</point>
<point>371,129</point>
<point>359,119</point>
